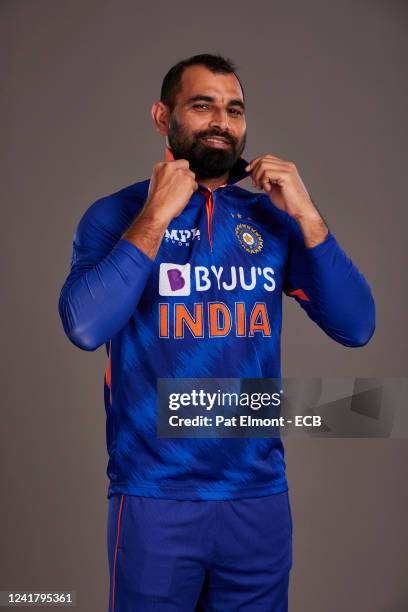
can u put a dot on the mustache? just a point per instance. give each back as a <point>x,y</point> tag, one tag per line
<point>225,135</point>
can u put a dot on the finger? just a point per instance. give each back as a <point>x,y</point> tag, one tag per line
<point>266,184</point>
<point>273,169</point>
<point>186,172</point>
<point>263,164</point>
<point>254,162</point>
<point>273,178</point>
<point>255,170</point>
<point>180,163</point>
<point>270,163</point>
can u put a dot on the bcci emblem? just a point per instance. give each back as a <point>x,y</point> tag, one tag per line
<point>249,238</point>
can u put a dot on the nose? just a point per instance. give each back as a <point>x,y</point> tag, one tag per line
<point>219,119</point>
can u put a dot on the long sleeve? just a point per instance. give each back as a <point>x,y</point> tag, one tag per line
<point>330,288</point>
<point>106,280</point>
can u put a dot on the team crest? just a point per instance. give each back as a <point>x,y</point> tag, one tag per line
<point>250,239</point>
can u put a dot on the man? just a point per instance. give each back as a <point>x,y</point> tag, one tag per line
<point>180,277</point>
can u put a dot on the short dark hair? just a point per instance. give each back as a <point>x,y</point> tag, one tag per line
<point>172,81</point>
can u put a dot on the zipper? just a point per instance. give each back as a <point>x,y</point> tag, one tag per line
<point>209,205</point>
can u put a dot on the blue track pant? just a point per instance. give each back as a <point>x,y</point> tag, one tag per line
<point>181,556</point>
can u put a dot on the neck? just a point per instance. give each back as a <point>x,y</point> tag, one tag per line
<point>213,183</point>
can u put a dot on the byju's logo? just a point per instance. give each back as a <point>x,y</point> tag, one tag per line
<point>181,237</point>
<point>174,279</point>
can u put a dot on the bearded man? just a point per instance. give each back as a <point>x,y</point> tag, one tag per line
<point>182,276</point>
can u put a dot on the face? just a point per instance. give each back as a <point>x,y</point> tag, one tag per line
<point>207,125</point>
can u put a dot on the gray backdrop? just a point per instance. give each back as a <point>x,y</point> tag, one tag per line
<point>326,87</point>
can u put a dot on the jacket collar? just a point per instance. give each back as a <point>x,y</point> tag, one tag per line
<point>237,172</point>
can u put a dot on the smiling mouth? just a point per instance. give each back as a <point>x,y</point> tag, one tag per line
<point>217,141</point>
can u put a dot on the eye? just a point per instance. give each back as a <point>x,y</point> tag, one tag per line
<point>201,106</point>
<point>235,111</point>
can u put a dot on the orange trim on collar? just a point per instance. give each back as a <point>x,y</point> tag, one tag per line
<point>169,154</point>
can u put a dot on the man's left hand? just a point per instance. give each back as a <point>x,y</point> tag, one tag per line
<point>281,181</point>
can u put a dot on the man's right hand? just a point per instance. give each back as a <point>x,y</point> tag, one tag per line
<point>171,186</point>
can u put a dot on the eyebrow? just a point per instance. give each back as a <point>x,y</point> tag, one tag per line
<point>232,102</point>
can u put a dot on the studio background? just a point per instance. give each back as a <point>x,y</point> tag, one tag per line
<point>326,87</point>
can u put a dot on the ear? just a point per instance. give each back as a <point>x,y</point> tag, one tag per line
<point>161,117</point>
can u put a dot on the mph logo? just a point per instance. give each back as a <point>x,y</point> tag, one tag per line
<point>175,279</point>
<point>182,236</point>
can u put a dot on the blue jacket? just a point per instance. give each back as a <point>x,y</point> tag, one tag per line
<point>209,305</point>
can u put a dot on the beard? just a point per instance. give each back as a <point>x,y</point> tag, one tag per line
<point>205,161</point>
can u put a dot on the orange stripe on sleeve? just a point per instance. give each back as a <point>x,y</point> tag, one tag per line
<point>300,294</point>
<point>116,552</point>
<point>108,371</point>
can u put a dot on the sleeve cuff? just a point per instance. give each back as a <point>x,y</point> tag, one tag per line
<point>133,251</point>
<point>322,248</point>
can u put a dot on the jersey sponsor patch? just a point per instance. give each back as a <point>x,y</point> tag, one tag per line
<point>174,279</point>
<point>180,279</point>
